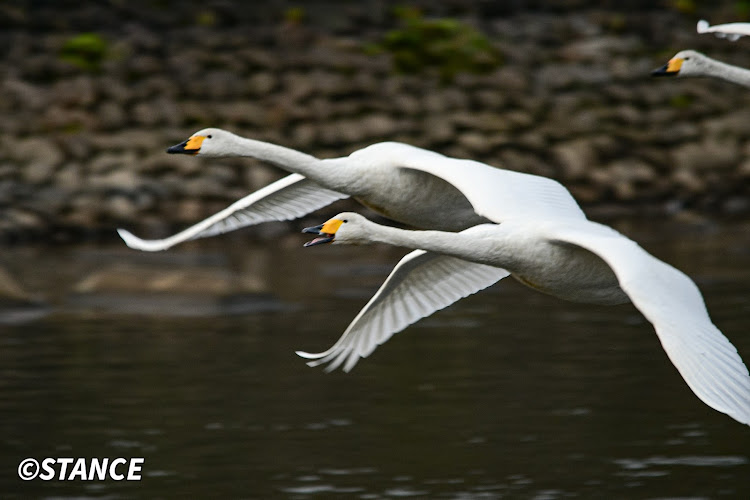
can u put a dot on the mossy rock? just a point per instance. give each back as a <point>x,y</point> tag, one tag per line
<point>446,46</point>
<point>85,51</point>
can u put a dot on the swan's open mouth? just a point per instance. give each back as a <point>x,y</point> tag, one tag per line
<point>322,237</point>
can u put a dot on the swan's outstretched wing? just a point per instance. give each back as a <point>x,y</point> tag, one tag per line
<point>495,193</point>
<point>288,198</point>
<point>420,284</point>
<point>731,31</point>
<point>670,300</point>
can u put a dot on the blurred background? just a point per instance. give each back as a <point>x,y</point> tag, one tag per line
<point>186,357</point>
<point>93,94</point>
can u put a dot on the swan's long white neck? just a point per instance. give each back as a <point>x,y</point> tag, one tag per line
<point>481,250</point>
<point>286,158</point>
<point>734,74</point>
<point>326,172</point>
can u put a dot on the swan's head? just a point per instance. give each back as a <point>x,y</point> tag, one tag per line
<point>347,228</point>
<point>206,142</point>
<point>684,63</point>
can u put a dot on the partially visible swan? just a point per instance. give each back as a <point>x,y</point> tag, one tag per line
<point>414,186</point>
<point>573,259</point>
<point>730,31</point>
<point>692,63</point>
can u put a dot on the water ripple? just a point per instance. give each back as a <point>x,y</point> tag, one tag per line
<point>694,460</point>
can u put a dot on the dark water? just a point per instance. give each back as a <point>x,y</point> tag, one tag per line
<point>508,394</point>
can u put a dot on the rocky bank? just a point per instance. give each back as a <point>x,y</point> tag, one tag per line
<point>82,149</point>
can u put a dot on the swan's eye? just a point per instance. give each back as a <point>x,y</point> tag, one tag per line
<point>208,136</point>
<point>686,59</point>
<point>345,221</point>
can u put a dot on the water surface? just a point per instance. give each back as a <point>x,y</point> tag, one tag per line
<point>186,358</point>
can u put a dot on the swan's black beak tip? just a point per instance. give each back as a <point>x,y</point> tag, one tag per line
<point>322,237</point>
<point>313,229</point>
<point>182,149</point>
<point>663,71</point>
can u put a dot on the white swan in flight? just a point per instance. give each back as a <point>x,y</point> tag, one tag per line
<point>691,63</point>
<point>730,31</point>
<point>414,186</point>
<point>570,258</point>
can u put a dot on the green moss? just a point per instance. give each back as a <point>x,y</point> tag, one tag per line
<point>681,101</point>
<point>742,9</point>
<point>446,46</point>
<point>684,6</point>
<point>617,23</point>
<point>295,15</point>
<point>206,18</point>
<point>86,51</point>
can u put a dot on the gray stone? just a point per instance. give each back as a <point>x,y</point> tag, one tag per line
<point>37,150</point>
<point>132,141</point>
<point>119,180</point>
<point>577,158</point>
<point>261,84</point>
<point>379,126</point>
<point>38,172</point>
<point>706,155</point>
<point>69,176</point>
<point>111,116</point>
<point>688,180</point>
<point>304,135</point>
<point>242,112</point>
<point>74,92</point>
<point>475,143</point>
<point>108,162</point>
<point>438,130</point>
<point>25,94</point>
<point>120,207</point>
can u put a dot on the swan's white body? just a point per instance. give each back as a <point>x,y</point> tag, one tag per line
<point>730,31</point>
<point>568,257</point>
<point>414,186</point>
<point>689,63</point>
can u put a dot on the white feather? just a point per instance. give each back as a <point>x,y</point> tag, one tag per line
<point>420,284</point>
<point>705,358</point>
<point>570,258</point>
<point>288,198</point>
<point>372,175</point>
<point>499,194</point>
<point>730,31</point>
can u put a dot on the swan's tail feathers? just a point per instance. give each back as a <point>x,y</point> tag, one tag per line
<point>137,243</point>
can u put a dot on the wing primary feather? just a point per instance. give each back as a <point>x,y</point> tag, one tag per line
<point>420,284</point>
<point>670,300</point>
<point>266,204</point>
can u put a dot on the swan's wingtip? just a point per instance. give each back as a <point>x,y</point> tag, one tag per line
<point>306,355</point>
<point>129,238</point>
<point>137,243</point>
<point>702,26</point>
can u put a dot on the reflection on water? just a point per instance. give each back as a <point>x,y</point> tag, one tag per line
<point>186,358</point>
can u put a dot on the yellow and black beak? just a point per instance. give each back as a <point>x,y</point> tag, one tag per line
<point>669,69</point>
<point>190,147</point>
<point>326,232</point>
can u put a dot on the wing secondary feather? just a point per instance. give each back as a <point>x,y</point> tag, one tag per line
<point>495,193</point>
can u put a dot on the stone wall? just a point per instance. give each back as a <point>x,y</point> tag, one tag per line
<point>82,150</point>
